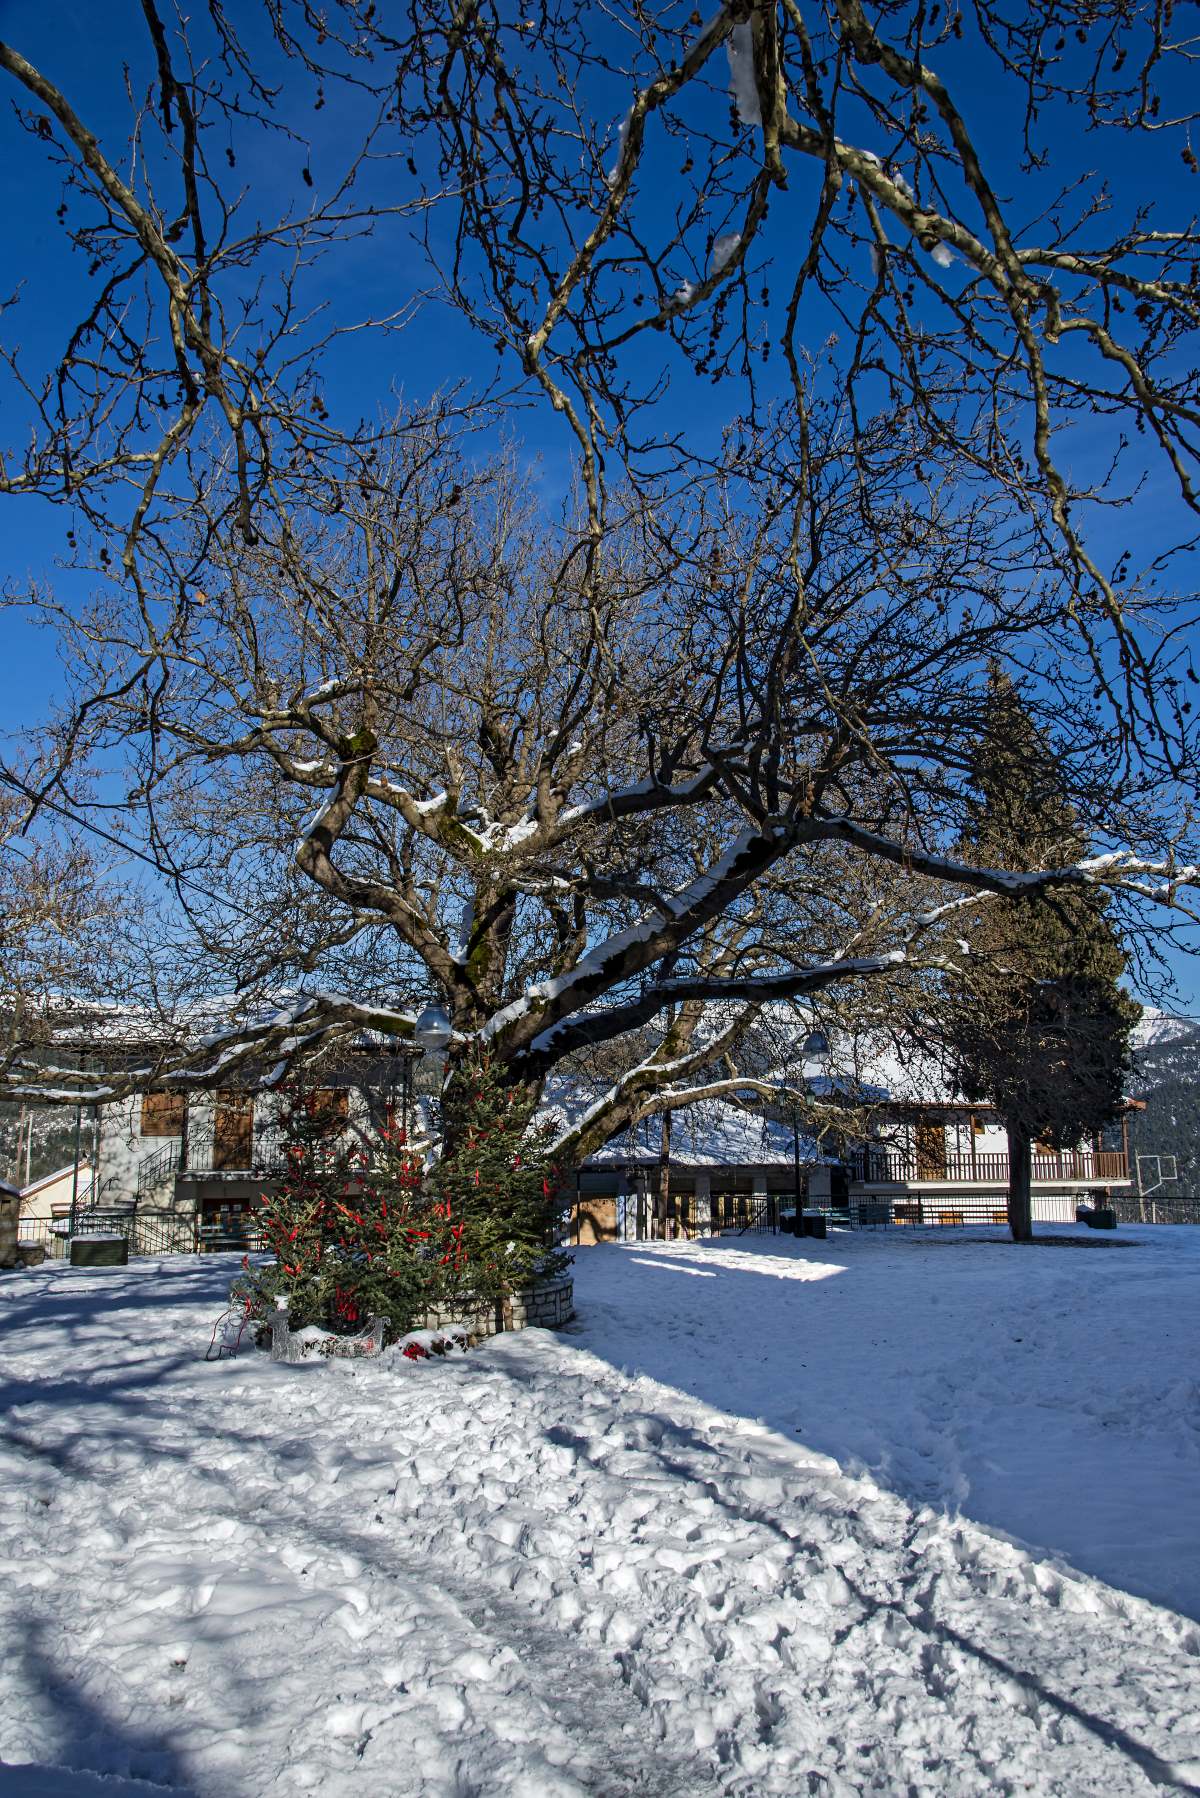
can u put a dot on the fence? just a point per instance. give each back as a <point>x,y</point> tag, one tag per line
<point>147,1233</point>
<point>1154,1209</point>
<point>637,1218</point>
<point>955,1212</point>
<point>737,1213</point>
<point>881,1166</point>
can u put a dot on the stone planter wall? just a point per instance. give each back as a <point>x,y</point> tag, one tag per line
<point>544,1307</point>
<point>10,1205</point>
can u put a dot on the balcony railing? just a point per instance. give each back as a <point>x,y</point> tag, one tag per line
<point>265,1154</point>
<point>895,1167</point>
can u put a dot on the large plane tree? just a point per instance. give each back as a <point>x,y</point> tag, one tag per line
<point>612,778</point>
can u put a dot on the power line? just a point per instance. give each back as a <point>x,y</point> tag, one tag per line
<point>41,799</point>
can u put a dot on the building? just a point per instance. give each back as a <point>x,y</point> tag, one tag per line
<point>728,1169</point>
<point>932,1155</point>
<point>10,1199</point>
<point>189,1172</point>
<point>46,1202</point>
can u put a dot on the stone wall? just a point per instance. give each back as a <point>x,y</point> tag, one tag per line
<point>544,1307</point>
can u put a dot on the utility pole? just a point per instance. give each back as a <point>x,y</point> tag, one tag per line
<point>75,1170</point>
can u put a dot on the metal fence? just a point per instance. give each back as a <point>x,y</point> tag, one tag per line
<point>147,1233</point>
<point>1154,1209</point>
<point>638,1218</point>
<point>737,1213</point>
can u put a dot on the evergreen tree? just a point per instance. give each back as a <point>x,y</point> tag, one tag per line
<point>496,1182</point>
<point>352,1235</point>
<point>357,1235</point>
<point>1041,1029</point>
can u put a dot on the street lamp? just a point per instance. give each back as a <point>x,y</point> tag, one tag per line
<point>432,1030</point>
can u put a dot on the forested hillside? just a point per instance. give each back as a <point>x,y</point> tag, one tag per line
<point>1167,1077</point>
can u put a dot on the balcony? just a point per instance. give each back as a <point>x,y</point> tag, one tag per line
<point>263,1154</point>
<point>896,1167</point>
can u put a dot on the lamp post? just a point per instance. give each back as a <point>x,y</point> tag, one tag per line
<point>432,1031</point>
<point>75,1169</point>
<point>816,1048</point>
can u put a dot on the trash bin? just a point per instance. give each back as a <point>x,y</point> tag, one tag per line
<point>99,1250</point>
<point>813,1224</point>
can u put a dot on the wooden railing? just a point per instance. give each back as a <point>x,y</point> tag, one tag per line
<point>878,1167</point>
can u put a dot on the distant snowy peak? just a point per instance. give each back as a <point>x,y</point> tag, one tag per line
<point>1160,1029</point>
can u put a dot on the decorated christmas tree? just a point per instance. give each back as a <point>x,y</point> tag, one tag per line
<point>361,1232</point>
<point>350,1230</point>
<point>497,1184</point>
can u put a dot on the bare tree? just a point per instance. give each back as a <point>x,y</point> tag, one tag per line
<point>416,736</point>
<point>810,186</point>
<point>698,745</point>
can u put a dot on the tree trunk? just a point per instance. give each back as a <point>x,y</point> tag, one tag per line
<point>663,1199</point>
<point>1020,1184</point>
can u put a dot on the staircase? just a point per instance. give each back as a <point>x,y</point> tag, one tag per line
<point>157,1172</point>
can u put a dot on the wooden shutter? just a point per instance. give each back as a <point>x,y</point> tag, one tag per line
<point>233,1131</point>
<point>331,1102</point>
<point>162,1114</point>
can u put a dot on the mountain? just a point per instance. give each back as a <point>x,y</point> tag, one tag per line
<point>1166,1077</point>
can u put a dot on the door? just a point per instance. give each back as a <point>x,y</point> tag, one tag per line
<point>931,1152</point>
<point>233,1131</point>
<point>596,1220</point>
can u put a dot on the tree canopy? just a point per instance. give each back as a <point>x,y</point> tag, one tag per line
<point>613,776</point>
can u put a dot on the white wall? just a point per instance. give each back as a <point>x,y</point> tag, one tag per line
<point>40,1202</point>
<point>122,1150</point>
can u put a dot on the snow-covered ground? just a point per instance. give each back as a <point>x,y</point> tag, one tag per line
<point>884,1514</point>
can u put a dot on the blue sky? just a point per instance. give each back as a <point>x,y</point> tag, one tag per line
<point>86,59</point>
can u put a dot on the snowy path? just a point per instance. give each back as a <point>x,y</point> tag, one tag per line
<point>603,1562</point>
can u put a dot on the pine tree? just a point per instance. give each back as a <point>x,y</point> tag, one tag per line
<point>497,1184</point>
<point>351,1234</point>
<point>1041,1029</point>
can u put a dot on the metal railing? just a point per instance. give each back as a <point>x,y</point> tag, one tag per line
<point>958,1211</point>
<point>1155,1209</point>
<point>724,1214</point>
<point>883,1167</point>
<point>147,1232</point>
<point>154,1171</point>
<point>268,1156</point>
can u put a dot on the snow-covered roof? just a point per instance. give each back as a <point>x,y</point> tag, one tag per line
<point>898,1073</point>
<point>709,1133</point>
<point>61,1173</point>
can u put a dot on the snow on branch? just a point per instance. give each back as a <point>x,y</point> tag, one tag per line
<point>637,947</point>
<point>262,1049</point>
<point>1116,868</point>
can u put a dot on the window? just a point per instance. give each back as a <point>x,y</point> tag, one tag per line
<point>330,1105</point>
<point>162,1114</point>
